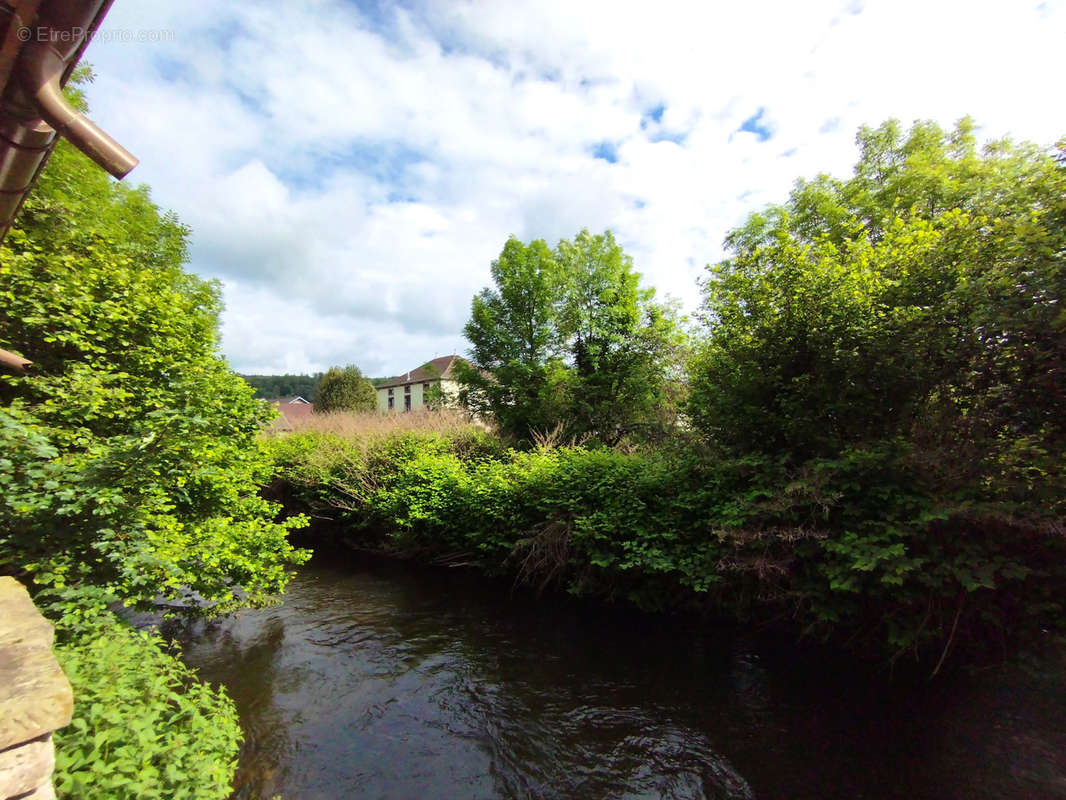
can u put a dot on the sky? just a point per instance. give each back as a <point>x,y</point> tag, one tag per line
<point>349,170</point>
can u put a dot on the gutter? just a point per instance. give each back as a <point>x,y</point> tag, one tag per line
<point>41,46</point>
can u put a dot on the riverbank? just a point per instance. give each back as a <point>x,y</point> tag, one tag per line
<point>852,551</point>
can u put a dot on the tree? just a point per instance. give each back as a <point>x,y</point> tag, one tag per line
<point>883,363</point>
<point>514,341</point>
<point>130,471</point>
<point>621,344</point>
<point>917,299</point>
<point>345,389</point>
<point>272,387</point>
<point>568,338</point>
<point>135,466</point>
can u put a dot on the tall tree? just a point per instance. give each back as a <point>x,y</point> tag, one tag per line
<point>345,389</point>
<point>918,299</point>
<point>620,342</point>
<point>568,338</point>
<point>514,343</point>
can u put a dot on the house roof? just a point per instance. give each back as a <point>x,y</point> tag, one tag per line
<point>430,371</point>
<point>291,413</point>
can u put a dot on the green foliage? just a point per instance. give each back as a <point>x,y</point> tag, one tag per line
<point>130,452</point>
<point>881,455</point>
<point>901,332</point>
<point>143,726</point>
<point>623,346</point>
<point>917,299</point>
<point>129,471</point>
<point>847,548</point>
<point>567,339</point>
<point>514,348</point>
<point>345,389</point>
<point>272,387</point>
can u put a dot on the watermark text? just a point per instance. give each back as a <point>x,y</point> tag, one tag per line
<point>49,35</point>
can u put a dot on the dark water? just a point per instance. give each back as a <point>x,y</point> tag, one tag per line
<point>384,681</point>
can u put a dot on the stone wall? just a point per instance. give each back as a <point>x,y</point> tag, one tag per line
<point>35,697</point>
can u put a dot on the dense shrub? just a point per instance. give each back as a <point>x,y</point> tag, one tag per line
<point>129,472</point>
<point>902,331</point>
<point>848,548</point>
<point>143,726</point>
<point>130,451</point>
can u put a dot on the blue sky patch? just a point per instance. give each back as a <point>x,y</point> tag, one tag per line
<point>608,151</point>
<point>386,162</point>
<point>668,136</point>
<point>226,33</point>
<point>755,124</point>
<point>172,70</point>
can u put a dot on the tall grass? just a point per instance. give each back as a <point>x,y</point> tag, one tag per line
<point>372,424</point>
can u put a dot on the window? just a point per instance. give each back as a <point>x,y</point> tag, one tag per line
<point>425,388</point>
<point>391,391</point>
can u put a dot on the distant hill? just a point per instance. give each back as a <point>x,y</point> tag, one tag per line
<point>272,387</point>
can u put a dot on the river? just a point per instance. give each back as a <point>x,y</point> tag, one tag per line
<point>383,680</point>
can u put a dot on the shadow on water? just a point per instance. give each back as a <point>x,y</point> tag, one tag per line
<point>381,680</point>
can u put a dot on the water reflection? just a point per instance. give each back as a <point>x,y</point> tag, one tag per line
<point>376,680</point>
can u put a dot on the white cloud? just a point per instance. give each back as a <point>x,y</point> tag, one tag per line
<point>350,176</point>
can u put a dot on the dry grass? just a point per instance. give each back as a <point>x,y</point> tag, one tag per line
<point>369,425</point>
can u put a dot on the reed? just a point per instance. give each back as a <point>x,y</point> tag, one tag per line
<point>372,424</point>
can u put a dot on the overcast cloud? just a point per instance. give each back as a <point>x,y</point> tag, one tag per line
<point>350,170</point>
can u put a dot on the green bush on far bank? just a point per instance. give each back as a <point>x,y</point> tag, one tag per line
<point>854,548</point>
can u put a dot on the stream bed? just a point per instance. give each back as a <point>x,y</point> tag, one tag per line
<point>383,680</point>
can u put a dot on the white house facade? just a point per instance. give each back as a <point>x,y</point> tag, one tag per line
<point>415,390</point>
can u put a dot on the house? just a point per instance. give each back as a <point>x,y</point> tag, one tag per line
<point>293,411</point>
<point>420,387</point>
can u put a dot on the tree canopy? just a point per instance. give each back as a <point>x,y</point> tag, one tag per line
<point>131,466</point>
<point>568,338</point>
<point>272,387</point>
<point>345,389</point>
<point>920,298</point>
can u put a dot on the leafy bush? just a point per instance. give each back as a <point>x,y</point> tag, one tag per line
<point>143,479</point>
<point>130,470</point>
<point>143,726</point>
<point>851,548</point>
<point>345,389</point>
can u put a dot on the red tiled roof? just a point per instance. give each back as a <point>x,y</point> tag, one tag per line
<point>292,412</point>
<point>430,371</point>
